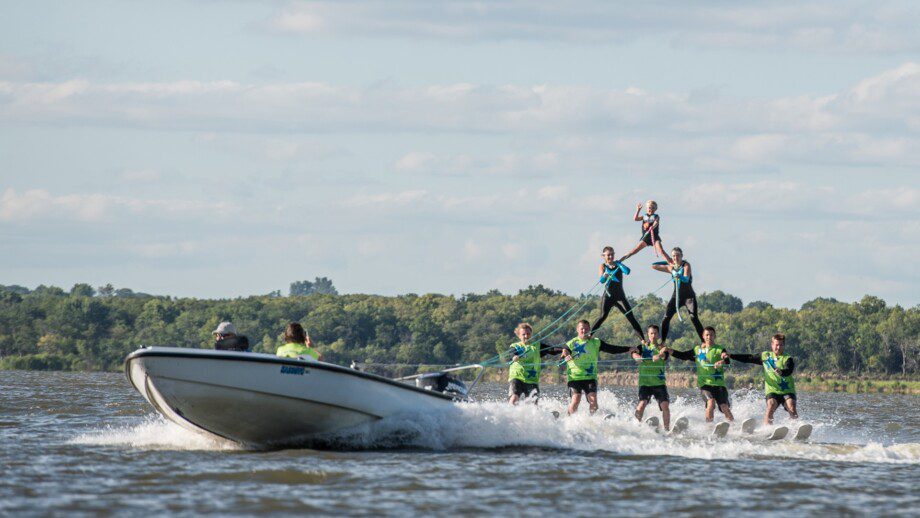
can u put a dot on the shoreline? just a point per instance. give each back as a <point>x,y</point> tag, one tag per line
<point>806,381</point>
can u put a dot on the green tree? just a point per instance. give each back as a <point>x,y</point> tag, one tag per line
<point>82,290</point>
<point>720,302</point>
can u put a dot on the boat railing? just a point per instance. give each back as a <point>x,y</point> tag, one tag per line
<point>459,368</point>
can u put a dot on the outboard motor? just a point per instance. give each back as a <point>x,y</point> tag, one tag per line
<point>441,382</point>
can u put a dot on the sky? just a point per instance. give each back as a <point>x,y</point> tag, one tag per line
<point>223,148</point>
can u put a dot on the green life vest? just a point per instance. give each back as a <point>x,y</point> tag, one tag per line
<point>293,350</point>
<point>527,368</point>
<point>651,372</point>
<point>706,374</point>
<point>773,383</point>
<point>583,365</point>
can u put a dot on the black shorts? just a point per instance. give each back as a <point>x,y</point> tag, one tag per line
<point>660,393</point>
<point>781,398</point>
<point>650,238</point>
<point>519,388</point>
<point>583,387</point>
<point>720,394</point>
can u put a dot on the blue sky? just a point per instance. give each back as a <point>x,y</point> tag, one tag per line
<point>226,148</point>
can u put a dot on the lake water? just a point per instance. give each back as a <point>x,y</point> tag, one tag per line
<point>87,443</point>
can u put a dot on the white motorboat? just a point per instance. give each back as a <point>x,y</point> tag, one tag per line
<point>261,400</point>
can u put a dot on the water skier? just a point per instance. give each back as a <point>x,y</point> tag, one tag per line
<point>651,226</point>
<point>580,355</point>
<point>526,363</point>
<point>611,275</point>
<point>710,373</point>
<point>682,275</point>
<point>778,385</point>
<point>652,359</point>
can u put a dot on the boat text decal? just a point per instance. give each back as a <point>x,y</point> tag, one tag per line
<point>287,369</point>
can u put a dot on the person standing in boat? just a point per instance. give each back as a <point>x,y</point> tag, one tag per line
<point>778,385</point>
<point>297,343</point>
<point>710,373</point>
<point>611,276</point>
<point>581,355</point>
<point>652,360</point>
<point>226,339</point>
<point>682,275</point>
<point>526,364</point>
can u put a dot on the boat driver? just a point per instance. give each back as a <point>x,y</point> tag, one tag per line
<point>226,339</point>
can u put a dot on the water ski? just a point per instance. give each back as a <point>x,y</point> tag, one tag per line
<point>652,422</point>
<point>803,432</point>
<point>748,425</point>
<point>778,433</point>
<point>680,425</point>
<point>608,417</point>
<point>721,430</point>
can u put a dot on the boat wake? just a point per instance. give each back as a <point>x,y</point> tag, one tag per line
<point>496,425</point>
<point>153,433</point>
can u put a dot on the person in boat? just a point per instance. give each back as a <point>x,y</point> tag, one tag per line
<point>526,364</point>
<point>652,358</point>
<point>611,272</point>
<point>778,385</point>
<point>710,373</point>
<point>651,226</point>
<point>683,296</point>
<point>581,355</point>
<point>226,338</point>
<point>297,343</point>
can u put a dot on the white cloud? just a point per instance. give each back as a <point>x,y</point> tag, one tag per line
<point>414,161</point>
<point>164,250</point>
<point>387,200</point>
<point>41,205</point>
<point>764,196</point>
<point>874,123</point>
<point>831,26</point>
<point>141,176</point>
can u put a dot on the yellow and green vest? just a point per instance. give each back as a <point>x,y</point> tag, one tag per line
<point>583,365</point>
<point>773,383</point>
<point>527,368</point>
<point>293,350</point>
<point>651,372</point>
<point>706,374</point>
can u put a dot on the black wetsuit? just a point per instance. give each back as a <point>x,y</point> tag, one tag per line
<point>614,295</point>
<point>232,343</point>
<point>650,229</point>
<point>686,297</point>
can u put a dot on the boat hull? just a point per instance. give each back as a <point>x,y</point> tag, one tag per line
<point>261,400</point>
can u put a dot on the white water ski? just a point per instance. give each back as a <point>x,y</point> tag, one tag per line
<point>748,425</point>
<point>803,432</point>
<point>778,433</point>
<point>721,430</point>
<point>680,425</point>
<point>609,417</point>
<point>652,422</point>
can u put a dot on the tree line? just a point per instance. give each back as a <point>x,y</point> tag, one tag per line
<point>94,329</point>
